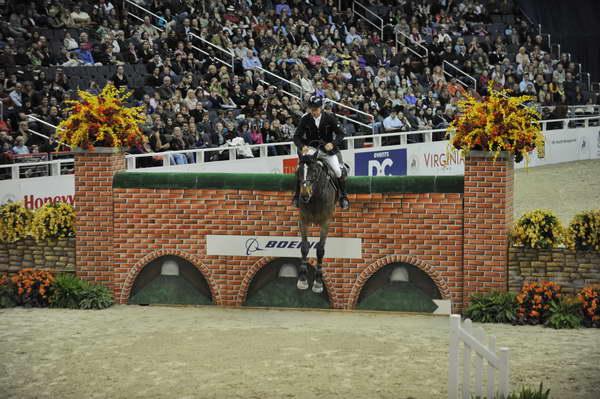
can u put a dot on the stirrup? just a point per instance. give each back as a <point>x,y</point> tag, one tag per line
<point>344,203</point>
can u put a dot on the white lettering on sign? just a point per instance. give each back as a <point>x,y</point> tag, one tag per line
<point>384,154</point>
<point>379,167</point>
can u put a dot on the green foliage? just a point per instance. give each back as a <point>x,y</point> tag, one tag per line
<point>565,314</point>
<point>73,293</point>
<point>8,293</point>
<point>525,393</point>
<point>493,307</point>
<point>96,296</point>
<point>67,291</point>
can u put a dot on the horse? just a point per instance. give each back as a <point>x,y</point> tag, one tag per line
<point>318,196</point>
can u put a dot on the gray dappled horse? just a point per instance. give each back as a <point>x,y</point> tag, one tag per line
<point>318,196</point>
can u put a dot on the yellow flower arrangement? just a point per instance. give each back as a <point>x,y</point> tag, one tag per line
<point>584,231</point>
<point>496,123</point>
<point>53,220</point>
<point>15,221</point>
<point>102,120</point>
<point>539,228</point>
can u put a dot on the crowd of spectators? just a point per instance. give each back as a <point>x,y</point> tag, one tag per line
<point>194,100</point>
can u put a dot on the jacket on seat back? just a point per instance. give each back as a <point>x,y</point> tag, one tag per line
<point>329,131</point>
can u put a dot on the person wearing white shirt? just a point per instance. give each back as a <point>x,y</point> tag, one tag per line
<point>352,36</point>
<point>392,123</point>
<point>17,95</point>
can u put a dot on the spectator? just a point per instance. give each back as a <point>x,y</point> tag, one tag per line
<point>20,147</point>
<point>80,19</point>
<point>392,123</point>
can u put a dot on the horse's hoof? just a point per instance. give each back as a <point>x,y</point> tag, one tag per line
<point>317,288</point>
<point>302,284</point>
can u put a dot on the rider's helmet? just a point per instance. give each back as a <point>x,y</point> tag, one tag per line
<point>315,102</point>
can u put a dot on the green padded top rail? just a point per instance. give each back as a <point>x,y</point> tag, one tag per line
<point>281,182</point>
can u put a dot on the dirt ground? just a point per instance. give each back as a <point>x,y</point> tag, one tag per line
<point>565,188</point>
<point>209,352</point>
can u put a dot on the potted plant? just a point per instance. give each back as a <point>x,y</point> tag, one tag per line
<point>496,123</point>
<point>102,121</point>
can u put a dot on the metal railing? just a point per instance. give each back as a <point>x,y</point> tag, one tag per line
<point>50,168</point>
<point>56,167</point>
<point>229,53</point>
<point>1,110</point>
<point>365,10</point>
<point>411,40</point>
<point>460,71</point>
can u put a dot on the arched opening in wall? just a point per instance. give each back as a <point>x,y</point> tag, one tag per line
<point>170,280</point>
<point>399,287</point>
<point>275,286</point>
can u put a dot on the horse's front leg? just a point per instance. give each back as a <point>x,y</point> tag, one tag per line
<point>302,283</point>
<point>318,283</point>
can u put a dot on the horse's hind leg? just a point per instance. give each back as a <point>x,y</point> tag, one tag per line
<point>318,283</point>
<point>302,283</point>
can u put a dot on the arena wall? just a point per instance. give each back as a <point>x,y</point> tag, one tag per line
<point>453,228</point>
<point>571,269</point>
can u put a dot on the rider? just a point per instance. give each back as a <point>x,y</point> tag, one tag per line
<point>317,125</point>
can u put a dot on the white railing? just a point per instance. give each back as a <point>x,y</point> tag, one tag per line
<point>466,75</point>
<point>1,110</point>
<point>52,168</point>
<point>229,53</point>
<point>282,79</point>
<point>158,17</point>
<point>411,40</point>
<point>365,10</point>
<point>474,344</point>
<point>199,153</point>
<point>426,135</point>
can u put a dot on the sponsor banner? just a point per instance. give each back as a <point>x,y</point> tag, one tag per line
<point>389,162</point>
<point>433,159</point>
<point>280,246</point>
<point>37,191</point>
<point>290,165</point>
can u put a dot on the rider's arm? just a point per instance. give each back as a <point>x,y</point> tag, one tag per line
<point>299,134</point>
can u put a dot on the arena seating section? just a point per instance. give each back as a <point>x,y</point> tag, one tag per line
<point>312,47</point>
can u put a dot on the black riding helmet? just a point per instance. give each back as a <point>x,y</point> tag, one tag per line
<point>315,102</point>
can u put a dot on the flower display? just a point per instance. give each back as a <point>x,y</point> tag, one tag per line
<point>53,220</point>
<point>102,120</point>
<point>535,300</point>
<point>590,302</point>
<point>15,221</point>
<point>33,286</point>
<point>497,122</point>
<point>539,228</point>
<point>584,231</point>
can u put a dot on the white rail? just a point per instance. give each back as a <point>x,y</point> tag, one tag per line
<point>474,344</point>
<point>54,167</point>
<point>461,72</point>
<point>410,39</point>
<point>229,53</point>
<point>569,123</point>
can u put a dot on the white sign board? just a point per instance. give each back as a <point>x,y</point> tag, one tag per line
<point>280,246</point>
<point>36,191</point>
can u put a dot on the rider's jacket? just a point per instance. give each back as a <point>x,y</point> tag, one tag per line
<point>329,131</point>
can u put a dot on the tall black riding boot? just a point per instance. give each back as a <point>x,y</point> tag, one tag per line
<point>344,203</point>
<point>296,197</point>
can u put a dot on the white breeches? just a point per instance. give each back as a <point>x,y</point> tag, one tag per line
<point>333,162</point>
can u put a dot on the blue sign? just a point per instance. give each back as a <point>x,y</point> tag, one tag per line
<point>380,163</point>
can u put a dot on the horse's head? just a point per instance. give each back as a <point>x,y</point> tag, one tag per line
<point>308,173</point>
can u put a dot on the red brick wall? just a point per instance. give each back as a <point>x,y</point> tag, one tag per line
<point>488,199</point>
<point>94,213</point>
<point>425,230</point>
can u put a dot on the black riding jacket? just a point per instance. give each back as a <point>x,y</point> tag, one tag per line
<point>329,131</point>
